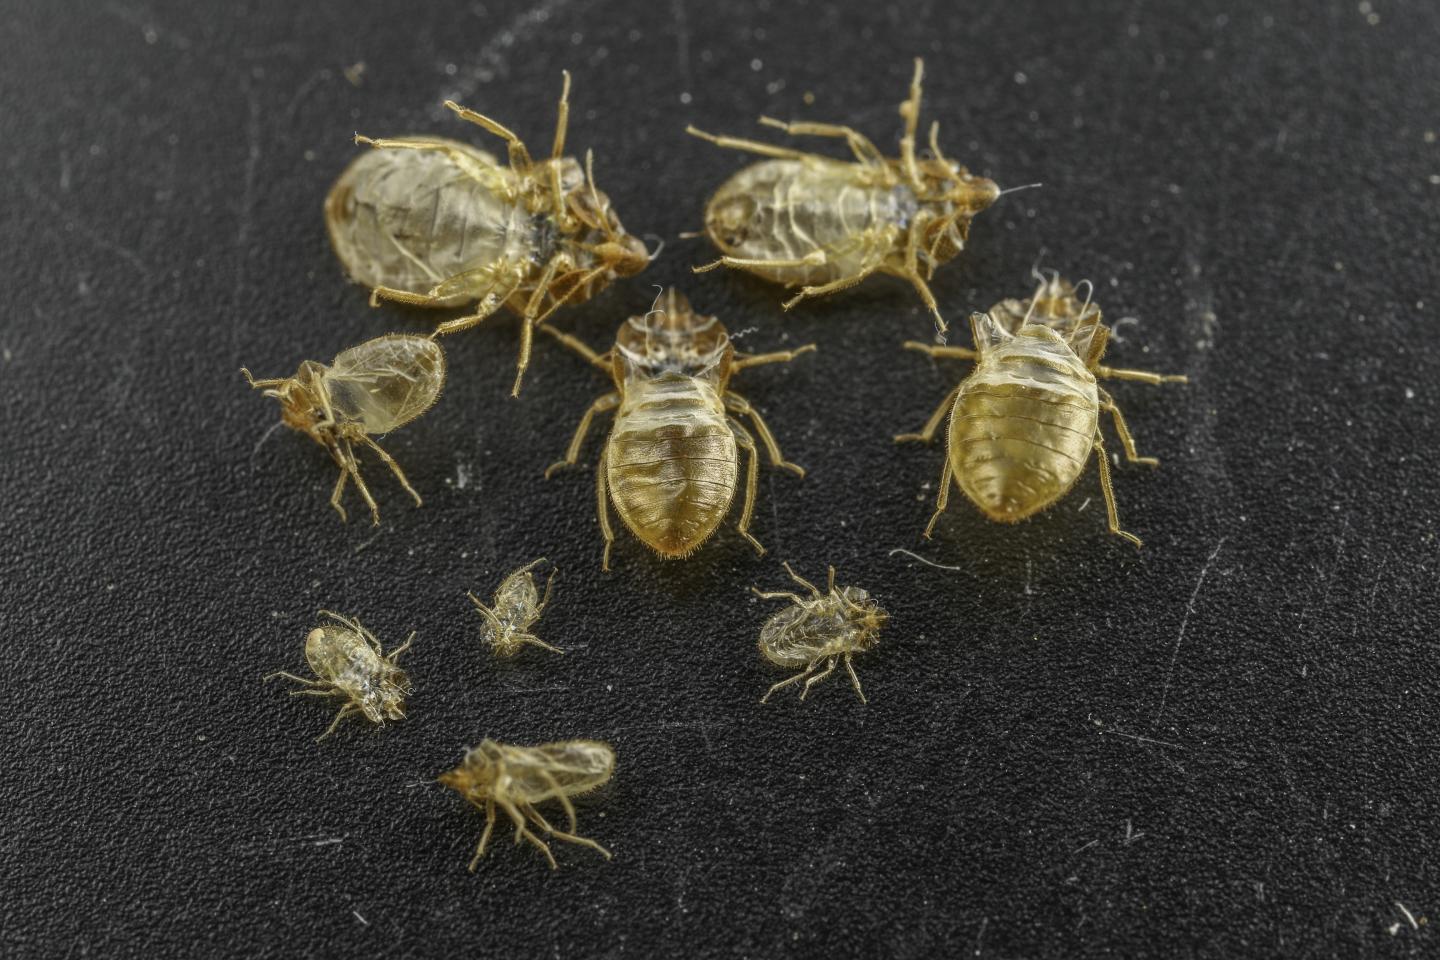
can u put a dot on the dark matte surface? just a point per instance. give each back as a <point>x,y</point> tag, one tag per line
<point>1222,745</point>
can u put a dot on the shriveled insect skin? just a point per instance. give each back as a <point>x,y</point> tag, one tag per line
<point>348,662</point>
<point>806,220</point>
<point>517,606</point>
<point>671,464</point>
<point>1024,422</point>
<point>824,628</point>
<point>513,779</point>
<point>1023,425</point>
<point>433,222</point>
<point>369,389</point>
<point>412,219</point>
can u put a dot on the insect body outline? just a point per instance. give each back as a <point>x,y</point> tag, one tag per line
<point>517,606</point>
<point>348,661</point>
<point>671,461</point>
<point>828,628</point>
<point>367,390</point>
<point>1025,421</point>
<point>432,222</point>
<point>823,224</point>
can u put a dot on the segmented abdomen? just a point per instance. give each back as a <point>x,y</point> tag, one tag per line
<point>671,462</point>
<point>409,219</point>
<point>785,209</point>
<point>1022,428</point>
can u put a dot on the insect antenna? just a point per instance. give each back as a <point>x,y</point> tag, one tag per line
<point>1023,186</point>
<point>601,208</point>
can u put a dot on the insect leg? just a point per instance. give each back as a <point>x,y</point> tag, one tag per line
<point>1143,376</point>
<point>854,680</point>
<point>528,317</point>
<point>262,384</point>
<point>290,676</point>
<point>942,499</point>
<point>778,595</point>
<point>484,837</point>
<point>394,654</point>
<point>1127,440</point>
<point>579,346</point>
<point>911,272</point>
<point>522,832</point>
<point>394,467</point>
<point>752,474</point>
<point>941,352</point>
<point>602,512</point>
<point>345,711</point>
<point>562,835</point>
<point>801,580</point>
<point>354,467</point>
<point>535,641</point>
<point>831,287</point>
<point>789,680</point>
<point>520,160</point>
<point>865,151</point>
<point>815,258</point>
<point>316,693</point>
<point>831,584</point>
<point>829,669</point>
<point>336,493</point>
<point>752,146</point>
<point>780,356</point>
<point>927,433</point>
<point>739,404</point>
<point>1112,517</point>
<point>458,157</point>
<point>549,586</point>
<point>572,453</point>
<point>910,110</point>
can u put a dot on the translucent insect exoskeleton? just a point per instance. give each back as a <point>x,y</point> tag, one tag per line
<point>438,223</point>
<point>349,663</point>
<point>516,779</point>
<point>825,628</point>
<point>672,461</point>
<point>518,605</point>
<point>1023,424</point>
<point>367,390</point>
<point>801,219</point>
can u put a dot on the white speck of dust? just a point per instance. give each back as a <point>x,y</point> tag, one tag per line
<point>757,65</point>
<point>462,475</point>
<point>1409,393</point>
<point>1020,77</point>
<point>685,96</point>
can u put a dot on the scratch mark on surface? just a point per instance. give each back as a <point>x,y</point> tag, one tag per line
<point>1086,847</point>
<point>261,442</point>
<point>980,936</point>
<point>492,59</point>
<point>360,918</point>
<point>682,43</point>
<point>1136,736</point>
<point>1408,915</point>
<point>74,223</point>
<point>151,30</point>
<point>247,195</point>
<point>1184,623</point>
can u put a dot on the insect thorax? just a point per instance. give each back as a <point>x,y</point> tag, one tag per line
<point>673,339</point>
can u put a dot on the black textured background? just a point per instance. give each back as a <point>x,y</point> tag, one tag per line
<point>1221,745</point>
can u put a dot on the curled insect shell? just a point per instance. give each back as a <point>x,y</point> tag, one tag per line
<point>822,629</point>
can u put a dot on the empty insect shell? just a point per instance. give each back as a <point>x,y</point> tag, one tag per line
<point>514,779</point>
<point>437,223</point>
<point>518,605</point>
<point>1023,424</point>
<point>824,628</point>
<point>370,389</point>
<point>348,662</point>
<point>806,220</point>
<point>671,464</point>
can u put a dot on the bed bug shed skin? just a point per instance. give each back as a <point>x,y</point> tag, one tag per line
<point>806,220</point>
<point>518,605</point>
<point>367,390</point>
<point>1024,423</point>
<point>348,662</point>
<point>824,628</point>
<point>497,776</point>
<point>671,463</point>
<point>437,223</point>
